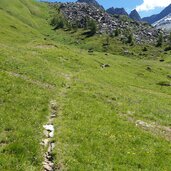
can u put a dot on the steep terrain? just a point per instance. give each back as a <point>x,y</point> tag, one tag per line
<point>164,23</point>
<point>134,15</point>
<point>113,111</point>
<point>79,12</point>
<point>117,11</point>
<point>154,18</point>
<point>91,2</point>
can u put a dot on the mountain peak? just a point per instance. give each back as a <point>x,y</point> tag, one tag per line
<point>91,2</point>
<point>135,15</point>
<point>117,11</point>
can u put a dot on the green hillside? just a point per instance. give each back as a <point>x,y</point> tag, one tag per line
<point>99,109</point>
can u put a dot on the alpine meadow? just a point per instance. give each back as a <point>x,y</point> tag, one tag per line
<point>83,88</point>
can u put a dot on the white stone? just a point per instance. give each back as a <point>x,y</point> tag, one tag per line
<point>51,134</point>
<point>49,127</point>
<point>47,167</point>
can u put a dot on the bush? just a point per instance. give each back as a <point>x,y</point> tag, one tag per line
<point>167,48</point>
<point>145,49</point>
<point>75,26</point>
<point>116,32</point>
<point>130,39</point>
<point>106,44</point>
<point>92,26</point>
<point>58,22</point>
<point>170,39</point>
<point>160,40</point>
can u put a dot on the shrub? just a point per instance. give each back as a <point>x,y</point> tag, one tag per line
<point>170,39</point>
<point>160,40</point>
<point>130,39</point>
<point>116,32</point>
<point>145,49</point>
<point>169,44</point>
<point>167,48</point>
<point>106,44</point>
<point>92,26</point>
<point>75,26</point>
<point>58,22</point>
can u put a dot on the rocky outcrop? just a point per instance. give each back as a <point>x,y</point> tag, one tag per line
<point>152,19</point>
<point>116,11</point>
<point>80,12</point>
<point>135,15</point>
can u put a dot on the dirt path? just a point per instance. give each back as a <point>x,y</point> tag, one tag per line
<point>153,127</point>
<point>48,143</point>
<point>36,82</point>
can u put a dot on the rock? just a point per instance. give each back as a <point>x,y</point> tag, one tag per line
<point>90,50</point>
<point>47,167</point>
<point>126,52</point>
<point>51,134</point>
<point>143,124</point>
<point>105,65</point>
<point>53,115</point>
<point>164,83</point>
<point>45,142</point>
<point>168,76</point>
<point>46,133</point>
<point>148,68</point>
<point>162,60</point>
<point>49,127</point>
<point>51,147</point>
<point>48,156</point>
<point>53,105</point>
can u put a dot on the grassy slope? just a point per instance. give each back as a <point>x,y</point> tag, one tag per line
<point>92,132</point>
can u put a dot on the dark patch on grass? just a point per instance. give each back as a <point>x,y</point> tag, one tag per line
<point>164,83</point>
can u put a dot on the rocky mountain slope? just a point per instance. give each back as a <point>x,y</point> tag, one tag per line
<point>164,23</point>
<point>117,11</point>
<point>79,12</point>
<point>152,19</point>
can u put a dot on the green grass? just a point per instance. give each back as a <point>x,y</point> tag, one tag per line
<point>92,132</point>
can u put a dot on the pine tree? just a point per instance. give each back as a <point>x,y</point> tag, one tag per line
<point>117,32</point>
<point>93,27</point>
<point>160,40</point>
<point>130,39</point>
<point>58,22</point>
<point>170,40</point>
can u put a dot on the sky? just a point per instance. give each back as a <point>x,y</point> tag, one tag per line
<point>144,7</point>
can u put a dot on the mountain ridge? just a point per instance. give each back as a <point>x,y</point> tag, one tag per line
<point>164,23</point>
<point>156,17</point>
<point>91,2</point>
<point>117,11</point>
